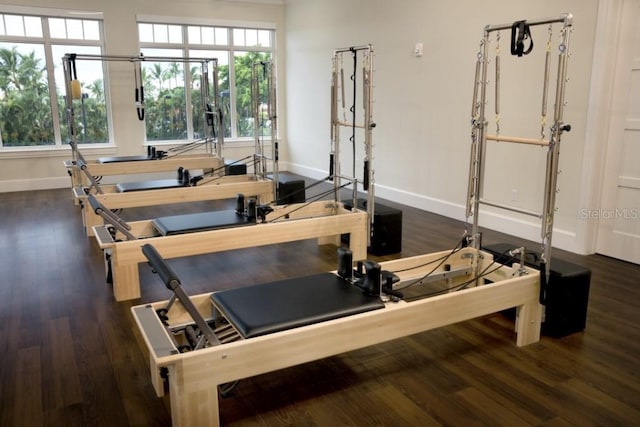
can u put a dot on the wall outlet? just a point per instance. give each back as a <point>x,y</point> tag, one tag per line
<point>514,195</point>
<point>418,50</point>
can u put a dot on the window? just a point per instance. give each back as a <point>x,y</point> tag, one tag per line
<point>32,89</point>
<point>169,88</point>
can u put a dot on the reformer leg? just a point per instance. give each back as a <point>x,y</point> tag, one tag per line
<point>91,219</point>
<point>156,379</point>
<point>528,322</point>
<point>193,402</point>
<point>126,281</point>
<point>358,243</point>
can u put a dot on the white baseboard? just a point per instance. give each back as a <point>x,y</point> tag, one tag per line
<point>529,230</point>
<point>13,185</point>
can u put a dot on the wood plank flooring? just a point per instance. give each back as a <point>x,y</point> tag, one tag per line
<point>71,355</point>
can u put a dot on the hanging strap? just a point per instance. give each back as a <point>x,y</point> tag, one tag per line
<point>139,91</point>
<point>73,71</point>
<point>519,33</point>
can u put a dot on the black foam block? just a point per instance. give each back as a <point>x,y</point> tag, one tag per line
<point>387,228</point>
<point>567,294</point>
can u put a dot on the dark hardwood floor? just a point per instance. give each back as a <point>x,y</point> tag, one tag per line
<point>71,355</point>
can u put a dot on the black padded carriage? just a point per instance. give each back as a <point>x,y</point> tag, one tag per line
<point>273,307</point>
<point>156,184</point>
<point>291,303</point>
<point>119,159</point>
<point>203,221</point>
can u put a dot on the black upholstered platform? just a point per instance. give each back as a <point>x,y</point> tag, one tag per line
<point>156,184</point>
<point>203,221</point>
<point>118,159</point>
<point>286,304</point>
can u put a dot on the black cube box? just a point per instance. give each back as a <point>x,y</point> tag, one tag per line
<point>232,168</point>
<point>567,292</point>
<point>291,189</point>
<point>386,237</point>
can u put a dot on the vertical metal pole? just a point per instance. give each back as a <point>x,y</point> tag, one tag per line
<point>255,109</point>
<point>273,116</point>
<point>480,143</point>
<point>218,119</point>
<point>553,155</point>
<point>545,85</point>
<point>204,102</point>
<point>474,140</point>
<point>66,65</point>
<point>352,138</point>
<point>369,179</point>
<point>497,84</point>
<point>334,156</point>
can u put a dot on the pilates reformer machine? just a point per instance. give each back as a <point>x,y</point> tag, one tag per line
<point>325,220</point>
<point>194,234</point>
<point>252,223</point>
<point>212,188</point>
<point>248,225</point>
<point>214,183</point>
<point>203,345</point>
<point>122,195</point>
<point>210,146</point>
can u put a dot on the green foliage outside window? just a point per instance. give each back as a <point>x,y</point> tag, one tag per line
<point>25,105</point>
<point>25,110</point>
<point>243,63</point>
<point>90,113</point>
<point>165,114</point>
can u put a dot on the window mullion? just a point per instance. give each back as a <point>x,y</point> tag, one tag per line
<point>51,81</point>
<point>234,117</point>
<point>232,88</point>
<point>186,69</point>
<point>48,48</point>
<point>186,73</point>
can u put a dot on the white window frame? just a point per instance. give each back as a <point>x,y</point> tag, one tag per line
<point>47,42</point>
<point>229,47</point>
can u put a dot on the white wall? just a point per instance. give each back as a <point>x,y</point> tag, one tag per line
<point>422,105</point>
<point>44,169</point>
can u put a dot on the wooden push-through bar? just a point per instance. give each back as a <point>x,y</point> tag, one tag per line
<point>518,140</point>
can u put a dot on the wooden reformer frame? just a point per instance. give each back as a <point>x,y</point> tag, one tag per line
<point>188,161</point>
<point>193,376</point>
<point>216,188</point>
<point>324,220</point>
